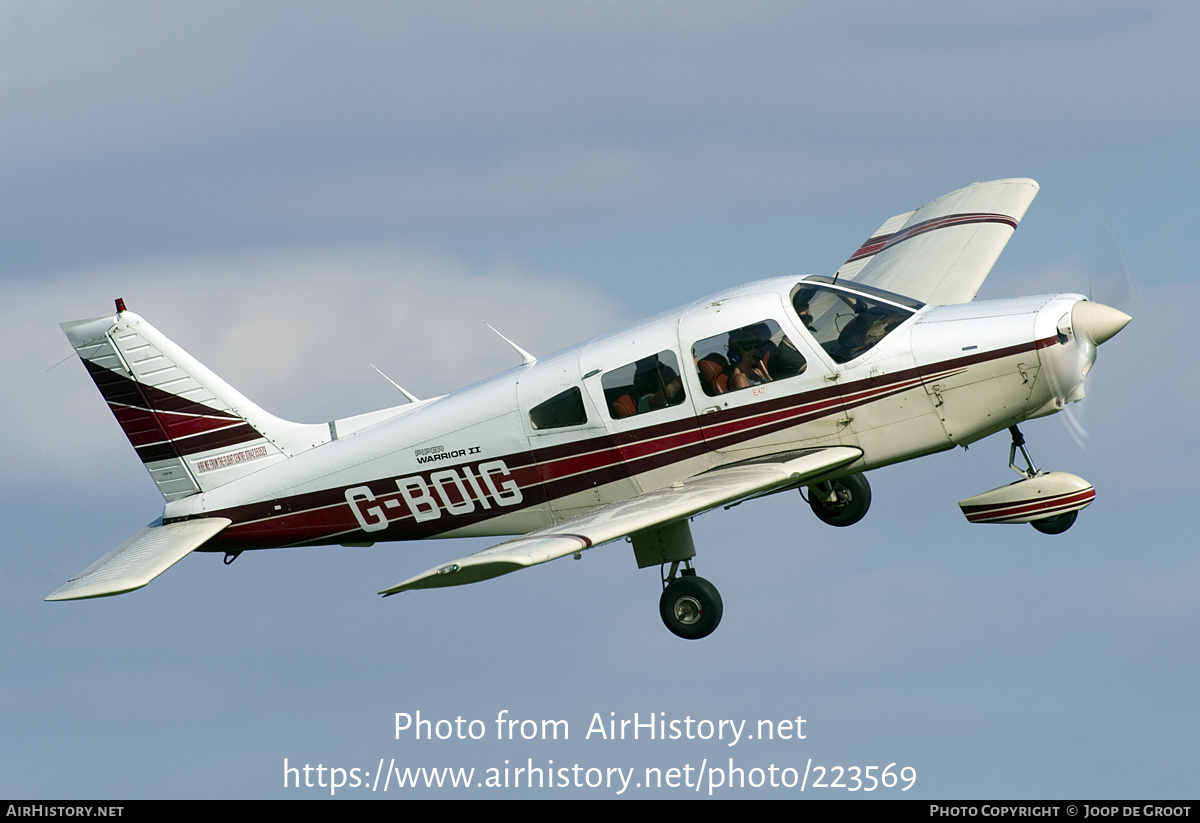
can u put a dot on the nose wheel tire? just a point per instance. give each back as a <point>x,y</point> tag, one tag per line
<point>1055,525</point>
<point>853,495</point>
<point>690,607</point>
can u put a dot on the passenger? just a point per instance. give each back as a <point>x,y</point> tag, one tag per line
<point>656,385</point>
<point>782,359</point>
<point>746,351</point>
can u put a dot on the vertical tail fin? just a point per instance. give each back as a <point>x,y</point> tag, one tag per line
<point>192,430</point>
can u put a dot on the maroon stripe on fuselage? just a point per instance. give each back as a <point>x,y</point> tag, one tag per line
<point>253,520</point>
<point>570,468</point>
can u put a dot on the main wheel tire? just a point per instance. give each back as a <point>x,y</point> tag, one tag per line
<point>854,498</point>
<point>690,607</point>
<point>1055,525</point>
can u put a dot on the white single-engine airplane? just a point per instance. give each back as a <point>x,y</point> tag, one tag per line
<point>791,383</point>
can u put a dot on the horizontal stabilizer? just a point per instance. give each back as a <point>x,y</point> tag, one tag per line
<point>140,559</point>
<point>675,502</point>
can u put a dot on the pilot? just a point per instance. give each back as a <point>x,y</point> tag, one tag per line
<point>805,315</point>
<point>785,360</point>
<point>800,304</point>
<point>746,350</point>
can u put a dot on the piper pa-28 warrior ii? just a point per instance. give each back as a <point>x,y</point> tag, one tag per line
<point>794,383</point>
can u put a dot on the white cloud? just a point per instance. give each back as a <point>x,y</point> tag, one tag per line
<point>294,332</point>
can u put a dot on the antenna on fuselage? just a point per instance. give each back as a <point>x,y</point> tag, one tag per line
<point>526,357</point>
<point>411,397</point>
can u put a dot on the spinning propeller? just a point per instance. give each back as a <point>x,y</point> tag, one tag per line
<point>1091,323</point>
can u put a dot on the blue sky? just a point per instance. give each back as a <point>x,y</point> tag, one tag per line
<point>293,191</point>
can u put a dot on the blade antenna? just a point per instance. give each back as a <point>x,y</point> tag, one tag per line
<point>412,398</point>
<point>526,357</point>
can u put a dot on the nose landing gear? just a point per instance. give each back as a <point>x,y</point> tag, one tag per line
<point>1048,501</point>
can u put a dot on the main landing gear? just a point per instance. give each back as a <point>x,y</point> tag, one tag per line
<point>690,606</point>
<point>841,502</point>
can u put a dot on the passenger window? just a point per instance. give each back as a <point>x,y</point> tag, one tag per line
<point>646,385</point>
<point>563,409</point>
<point>746,356</point>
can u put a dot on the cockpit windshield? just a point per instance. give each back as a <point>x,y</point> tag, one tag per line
<point>848,322</point>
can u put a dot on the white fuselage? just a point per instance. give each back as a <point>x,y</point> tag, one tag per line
<point>548,440</point>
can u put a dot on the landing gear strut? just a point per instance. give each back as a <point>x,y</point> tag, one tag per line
<point>1047,525</point>
<point>690,606</point>
<point>1018,442</point>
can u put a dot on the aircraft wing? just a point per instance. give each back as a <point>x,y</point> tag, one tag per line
<point>706,491</point>
<point>140,559</point>
<point>942,252</point>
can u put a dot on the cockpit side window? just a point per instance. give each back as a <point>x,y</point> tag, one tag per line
<point>746,356</point>
<point>645,385</point>
<point>847,324</point>
<point>563,409</point>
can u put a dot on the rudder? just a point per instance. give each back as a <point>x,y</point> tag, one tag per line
<point>191,429</point>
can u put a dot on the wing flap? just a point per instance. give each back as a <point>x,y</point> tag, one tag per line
<point>140,559</point>
<point>676,502</point>
<point>942,252</point>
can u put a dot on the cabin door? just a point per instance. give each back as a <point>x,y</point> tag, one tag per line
<point>758,383</point>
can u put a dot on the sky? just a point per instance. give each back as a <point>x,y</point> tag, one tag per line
<point>296,191</point>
